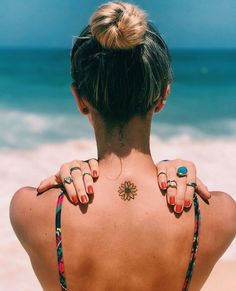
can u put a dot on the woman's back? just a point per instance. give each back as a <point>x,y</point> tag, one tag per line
<point>117,244</point>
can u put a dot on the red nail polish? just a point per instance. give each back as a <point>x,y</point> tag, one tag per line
<point>163,185</point>
<point>95,174</point>
<point>187,203</point>
<point>90,189</point>
<point>172,200</point>
<point>83,199</point>
<point>75,199</point>
<point>178,208</point>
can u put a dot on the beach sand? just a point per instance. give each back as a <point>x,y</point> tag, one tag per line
<point>28,167</point>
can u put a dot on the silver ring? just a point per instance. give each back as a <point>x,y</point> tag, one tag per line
<point>68,180</point>
<point>171,184</point>
<point>74,168</point>
<point>192,184</point>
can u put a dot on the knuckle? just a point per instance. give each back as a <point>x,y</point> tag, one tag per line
<point>178,161</point>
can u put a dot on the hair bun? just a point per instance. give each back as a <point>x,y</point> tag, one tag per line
<point>118,25</point>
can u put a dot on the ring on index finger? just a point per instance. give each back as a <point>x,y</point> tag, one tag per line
<point>74,169</point>
<point>68,180</point>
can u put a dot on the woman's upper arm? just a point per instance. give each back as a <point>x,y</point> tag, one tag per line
<point>20,211</point>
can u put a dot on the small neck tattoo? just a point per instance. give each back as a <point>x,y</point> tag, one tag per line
<point>127,190</point>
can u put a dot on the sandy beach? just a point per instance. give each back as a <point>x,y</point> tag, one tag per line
<point>27,167</point>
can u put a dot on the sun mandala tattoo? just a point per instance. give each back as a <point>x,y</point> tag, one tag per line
<point>127,190</point>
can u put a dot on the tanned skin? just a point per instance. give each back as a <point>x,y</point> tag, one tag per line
<point>120,244</point>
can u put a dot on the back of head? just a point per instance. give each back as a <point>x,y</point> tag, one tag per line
<point>120,63</point>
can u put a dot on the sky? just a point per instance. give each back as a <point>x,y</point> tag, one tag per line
<point>183,23</point>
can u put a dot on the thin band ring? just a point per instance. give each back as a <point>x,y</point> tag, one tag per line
<point>74,168</point>
<point>172,184</point>
<point>161,173</point>
<point>192,184</point>
<point>87,174</point>
<point>68,180</point>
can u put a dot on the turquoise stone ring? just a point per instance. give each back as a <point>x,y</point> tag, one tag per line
<point>182,171</point>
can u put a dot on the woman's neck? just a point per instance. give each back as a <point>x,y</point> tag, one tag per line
<point>125,148</point>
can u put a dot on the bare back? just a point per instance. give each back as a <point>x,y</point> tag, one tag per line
<point>121,245</point>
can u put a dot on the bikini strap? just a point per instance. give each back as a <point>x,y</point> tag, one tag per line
<point>195,244</point>
<point>189,273</point>
<point>61,268</point>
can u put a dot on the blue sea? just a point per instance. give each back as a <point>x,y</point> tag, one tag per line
<point>36,105</point>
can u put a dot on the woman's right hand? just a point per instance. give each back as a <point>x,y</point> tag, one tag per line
<point>83,174</point>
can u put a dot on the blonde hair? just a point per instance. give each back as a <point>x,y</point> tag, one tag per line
<point>118,25</point>
<point>120,63</point>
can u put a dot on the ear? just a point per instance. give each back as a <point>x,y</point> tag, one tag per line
<point>79,101</point>
<point>163,99</point>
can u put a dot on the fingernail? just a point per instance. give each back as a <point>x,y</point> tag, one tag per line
<point>187,203</point>
<point>172,200</point>
<point>90,189</point>
<point>163,185</point>
<point>83,199</point>
<point>95,174</point>
<point>75,199</point>
<point>178,208</point>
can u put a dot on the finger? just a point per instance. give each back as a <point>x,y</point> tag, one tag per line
<point>180,194</point>
<point>189,194</point>
<point>93,164</point>
<point>70,189</point>
<point>171,186</point>
<point>190,183</point>
<point>48,183</point>
<point>87,178</point>
<point>161,175</point>
<point>202,190</point>
<point>76,168</point>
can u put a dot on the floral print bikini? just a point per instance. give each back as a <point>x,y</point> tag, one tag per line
<point>189,273</point>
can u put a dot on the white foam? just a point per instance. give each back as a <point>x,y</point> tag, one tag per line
<point>21,129</point>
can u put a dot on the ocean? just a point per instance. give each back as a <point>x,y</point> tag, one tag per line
<point>36,105</point>
<point>40,128</point>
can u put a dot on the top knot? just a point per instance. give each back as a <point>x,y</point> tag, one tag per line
<point>118,25</point>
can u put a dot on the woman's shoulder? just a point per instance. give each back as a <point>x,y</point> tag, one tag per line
<point>27,199</point>
<point>219,219</point>
<point>224,205</point>
<point>29,211</point>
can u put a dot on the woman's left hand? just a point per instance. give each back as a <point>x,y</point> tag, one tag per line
<point>180,190</point>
